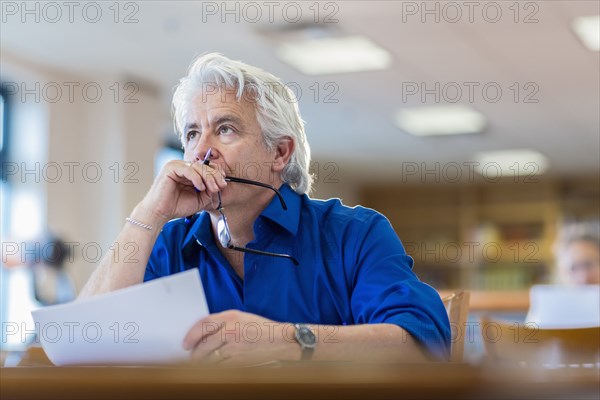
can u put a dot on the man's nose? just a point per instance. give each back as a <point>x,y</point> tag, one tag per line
<point>202,148</point>
<point>203,155</point>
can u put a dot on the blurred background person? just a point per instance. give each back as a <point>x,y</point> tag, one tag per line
<point>574,301</point>
<point>578,254</point>
<point>37,276</point>
<point>50,283</point>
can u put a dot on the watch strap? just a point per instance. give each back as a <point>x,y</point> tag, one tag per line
<point>307,348</point>
<point>307,353</point>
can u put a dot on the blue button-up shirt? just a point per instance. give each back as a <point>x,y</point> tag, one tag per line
<point>352,269</point>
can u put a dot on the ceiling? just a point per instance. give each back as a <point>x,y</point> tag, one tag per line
<point>358,131</point>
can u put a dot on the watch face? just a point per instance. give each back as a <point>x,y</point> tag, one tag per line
<point>306,336</point>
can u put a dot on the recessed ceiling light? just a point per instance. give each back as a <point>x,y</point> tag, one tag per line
<point>440,120</point>
<point>588,31</point>
<point>334,55</point>
<point>518,162</point>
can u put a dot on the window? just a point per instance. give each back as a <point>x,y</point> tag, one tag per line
<point>16,300</point>
<point>4,204</point>
<point>3,128</point>
<point>4,192</point>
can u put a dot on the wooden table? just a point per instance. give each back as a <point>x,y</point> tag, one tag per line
<point>496,300</point>
<point>301,380</point>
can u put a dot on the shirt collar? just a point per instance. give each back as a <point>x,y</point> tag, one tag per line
<point>287,219</point>
<point>201,230</point>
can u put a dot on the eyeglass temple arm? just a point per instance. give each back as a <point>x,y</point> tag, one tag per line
<point>249,182</point>
<point>265,253</point>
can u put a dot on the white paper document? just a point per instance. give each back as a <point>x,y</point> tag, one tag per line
<point>142,324</point>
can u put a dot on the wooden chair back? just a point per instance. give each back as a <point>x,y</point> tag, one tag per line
<point>457,307</point>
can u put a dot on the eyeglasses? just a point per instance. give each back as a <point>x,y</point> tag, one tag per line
<point>224,233</point>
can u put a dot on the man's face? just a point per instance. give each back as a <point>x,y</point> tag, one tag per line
<point>230,128</point>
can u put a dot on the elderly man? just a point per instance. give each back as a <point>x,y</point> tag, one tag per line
<point>286,277</point>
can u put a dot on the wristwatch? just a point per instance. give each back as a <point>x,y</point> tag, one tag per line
<point>306,339</point>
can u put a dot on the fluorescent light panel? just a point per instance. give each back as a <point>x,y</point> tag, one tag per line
<point>588,31</point>
<point>335,55</point>
<point>511,163</point>
<point>440,120</point>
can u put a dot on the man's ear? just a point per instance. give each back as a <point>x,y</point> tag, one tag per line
<point>283,153</point>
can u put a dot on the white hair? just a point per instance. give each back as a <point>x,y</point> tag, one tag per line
<point>276,108</point>
<point>583,231</point>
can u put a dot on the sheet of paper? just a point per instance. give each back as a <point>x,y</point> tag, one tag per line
<point>142,324</point>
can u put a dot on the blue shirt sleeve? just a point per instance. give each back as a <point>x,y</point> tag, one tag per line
<point>166,256</point>
<point>159,258</point>
<point>387,291</point>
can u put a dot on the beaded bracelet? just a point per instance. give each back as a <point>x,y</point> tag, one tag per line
<point>138,223</point>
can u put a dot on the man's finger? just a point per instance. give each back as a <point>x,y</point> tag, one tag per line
<point>200,331</point>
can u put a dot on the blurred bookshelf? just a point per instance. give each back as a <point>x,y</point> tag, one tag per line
<point>484,236</point>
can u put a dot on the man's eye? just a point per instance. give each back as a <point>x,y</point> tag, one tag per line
<point>225,130</point>
<point>191,135</point>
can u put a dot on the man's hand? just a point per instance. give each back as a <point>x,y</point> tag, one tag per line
<point>236,337</point>
<point>183,189</point>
